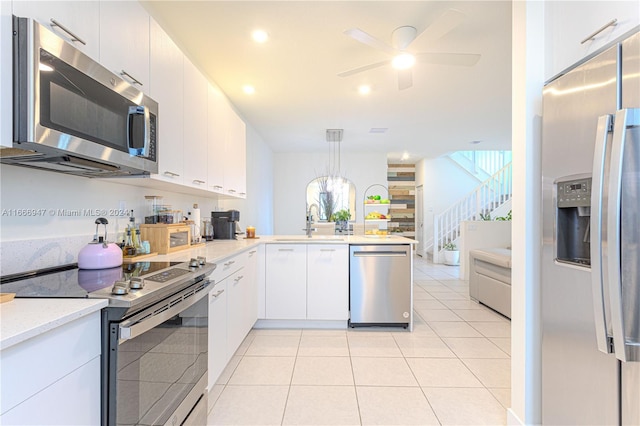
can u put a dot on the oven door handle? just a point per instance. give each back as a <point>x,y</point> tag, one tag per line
<point>145,321</point>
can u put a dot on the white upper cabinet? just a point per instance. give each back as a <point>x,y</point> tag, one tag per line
<point>235,176</point>
<point>124,41</point>
<point>195,126</point>
<point>216,134</point>
<point>75,22</point>
<point>166,87</point>
<point>573,29</point>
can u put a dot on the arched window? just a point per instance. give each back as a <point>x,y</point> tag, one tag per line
<point>331,194</point>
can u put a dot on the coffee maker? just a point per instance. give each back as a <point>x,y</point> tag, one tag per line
<point>224,224</point>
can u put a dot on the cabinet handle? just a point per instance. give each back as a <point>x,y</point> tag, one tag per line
<point>252,252</point>
<point>285,249</point>
<point>198,181</point>
<point>232,191</point>
<point>593,35</point>
<point>238,278</point>
<point>327,249</point>
<point>242,193</point>
<point>229,263</point>
<point>217,186</point>
<point>171,174</point>
<point>135,80</point>
<point>218,293</point>
<point>74,37</point>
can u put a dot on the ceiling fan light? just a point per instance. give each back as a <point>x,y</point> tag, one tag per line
<point>403,61</point>
<point>260,36</point>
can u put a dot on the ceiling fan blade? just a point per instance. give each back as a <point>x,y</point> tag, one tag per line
<point>405,79</point>
<point>366,38</point>
<point>460,59</point>
<point>363,68</point>
<point>441,26</point>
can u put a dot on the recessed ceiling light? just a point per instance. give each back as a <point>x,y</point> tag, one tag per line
<point>260,36</point>
<point>403,61</point>
<point>249,90</point>
<point>405,156</point>
<point>364,89</point>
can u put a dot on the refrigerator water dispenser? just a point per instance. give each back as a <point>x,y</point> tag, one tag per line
<point>573,215</point>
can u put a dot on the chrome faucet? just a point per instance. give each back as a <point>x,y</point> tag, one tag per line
<point>309,229</point>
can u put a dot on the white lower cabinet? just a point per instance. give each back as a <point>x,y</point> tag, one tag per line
<point>286,281</point>
<point>307,282</point>
<point>233,308</point>
<point>54,377</point>
<point>217,331</point>
<point>328,282</point>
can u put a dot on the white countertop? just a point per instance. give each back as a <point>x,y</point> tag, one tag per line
<point>217,250</point>
<point>22,319</point>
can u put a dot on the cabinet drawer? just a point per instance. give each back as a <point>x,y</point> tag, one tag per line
<point>228,266</point>
<point>33,365</point>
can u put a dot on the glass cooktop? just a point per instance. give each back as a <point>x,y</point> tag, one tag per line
<point>70,282</point>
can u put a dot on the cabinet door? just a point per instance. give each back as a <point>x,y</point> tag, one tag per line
<point>77,21</point>
<point>236,154</point>
<point>568,23</point>
<point>195,126</point>
<point>327,282</point>
<point>251,288</point>
<point>217,331</point>
<point>237,305</point>
<point>286,281</point>
<point>124,41</point>
<point>217,129</point>
<point>166,87</point>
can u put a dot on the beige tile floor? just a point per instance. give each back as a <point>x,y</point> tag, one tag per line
<point>453,369</point>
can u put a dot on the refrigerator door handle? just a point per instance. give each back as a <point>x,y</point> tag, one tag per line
<point>598,280</point>
<point>625,118</point>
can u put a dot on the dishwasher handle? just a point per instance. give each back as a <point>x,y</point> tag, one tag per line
<point>381,253</point>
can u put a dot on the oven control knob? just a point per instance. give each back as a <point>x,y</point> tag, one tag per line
<point>193,263</point>
<point>137,283</point>
<point>120,288</point>
<point>202,260</point>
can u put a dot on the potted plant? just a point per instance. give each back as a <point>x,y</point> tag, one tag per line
<point>341,217</point>
<point>451,254</point>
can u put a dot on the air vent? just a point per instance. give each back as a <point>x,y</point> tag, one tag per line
<point>378,130</point>
<point>334,135</point>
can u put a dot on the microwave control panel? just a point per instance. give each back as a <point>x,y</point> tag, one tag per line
<point>574,193</point>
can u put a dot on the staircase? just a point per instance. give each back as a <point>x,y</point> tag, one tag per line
<point>490,195</point>
<point>481,164</point>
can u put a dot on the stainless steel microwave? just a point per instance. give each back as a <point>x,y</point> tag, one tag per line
<point>72,115</point>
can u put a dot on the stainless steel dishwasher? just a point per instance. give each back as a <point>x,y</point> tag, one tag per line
<point>380,285</point>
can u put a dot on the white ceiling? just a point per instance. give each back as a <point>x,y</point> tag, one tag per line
<point>298,94</point>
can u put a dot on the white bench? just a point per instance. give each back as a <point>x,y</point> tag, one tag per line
<point>490,278</point>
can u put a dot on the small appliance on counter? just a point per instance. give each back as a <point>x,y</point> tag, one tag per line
<point>99,253</point>
<point>225,224</point>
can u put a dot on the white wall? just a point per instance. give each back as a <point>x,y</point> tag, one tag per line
<point>438,193</point>
<point>257,209</point>
<point>481,234</point>
<point>294,170</point>
<point>528,61</point>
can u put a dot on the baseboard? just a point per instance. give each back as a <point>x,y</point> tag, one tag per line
<point>267,323</point>
<point>513,419</point>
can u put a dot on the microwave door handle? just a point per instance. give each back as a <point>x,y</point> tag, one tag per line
<point>134,111</point>
<point>625,351</point>
<point>598,281</point>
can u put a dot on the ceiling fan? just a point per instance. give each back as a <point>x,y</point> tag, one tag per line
<point>401,40</point>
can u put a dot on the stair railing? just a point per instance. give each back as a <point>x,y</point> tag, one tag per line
<point>484,199</point>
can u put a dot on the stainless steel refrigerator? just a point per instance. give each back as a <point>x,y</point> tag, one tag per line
<point>591,241</point>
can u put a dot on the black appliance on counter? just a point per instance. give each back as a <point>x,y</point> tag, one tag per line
<point>154,334</point>
<point>224,224</point>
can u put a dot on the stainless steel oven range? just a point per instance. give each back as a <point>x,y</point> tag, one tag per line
<point>154,334</point>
